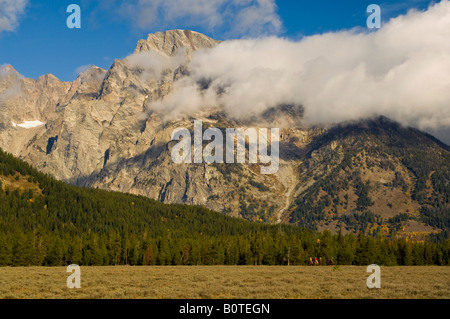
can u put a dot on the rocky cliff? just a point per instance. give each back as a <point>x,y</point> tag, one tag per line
<point>99,131</point>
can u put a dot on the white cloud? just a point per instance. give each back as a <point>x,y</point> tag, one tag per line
<point>256,19</point>
<point>240,17</point>
<point>151,64</point>
<point>10,11</point>
<point>401,71</point>
<point>82,68</point>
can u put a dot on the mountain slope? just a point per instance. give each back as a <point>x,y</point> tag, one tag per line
<point>46,222</point>
<point>104,131</point>
<point>369,174</point>
<point>39,215</point>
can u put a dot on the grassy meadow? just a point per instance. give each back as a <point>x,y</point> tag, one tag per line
<point>210,282</point>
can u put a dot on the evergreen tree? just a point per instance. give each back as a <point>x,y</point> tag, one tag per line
<point>5,251</point>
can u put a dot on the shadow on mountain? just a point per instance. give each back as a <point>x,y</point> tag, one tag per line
<point>390,133</point>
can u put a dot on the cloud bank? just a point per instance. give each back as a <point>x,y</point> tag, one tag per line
<point>10,11</point>
<point>239,17</point>
<point>401,71</point>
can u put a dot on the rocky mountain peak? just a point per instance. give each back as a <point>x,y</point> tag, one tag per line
<point>8,77</point>
<point>6,69</point>
<point>47,79</point>
<point>93,75</point>
<point>101,132</point>
<point>168,42</point>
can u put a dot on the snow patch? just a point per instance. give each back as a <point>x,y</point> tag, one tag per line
<point>28,124</point>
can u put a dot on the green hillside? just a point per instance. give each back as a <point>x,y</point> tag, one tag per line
<point>47,222</point>
<point>376,176</point>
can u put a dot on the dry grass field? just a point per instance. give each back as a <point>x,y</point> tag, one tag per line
<point>210,282</point>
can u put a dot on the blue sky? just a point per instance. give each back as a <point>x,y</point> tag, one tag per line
<point>38,40</point>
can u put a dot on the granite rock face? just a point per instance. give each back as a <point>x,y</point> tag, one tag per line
<point>169,42</point>
<point>99,131</point>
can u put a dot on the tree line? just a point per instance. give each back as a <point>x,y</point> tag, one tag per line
<point>58,224</point>
<point>40,248</point>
